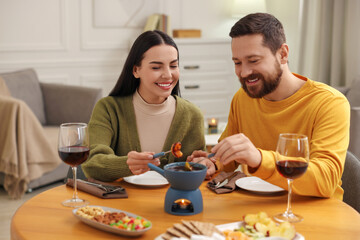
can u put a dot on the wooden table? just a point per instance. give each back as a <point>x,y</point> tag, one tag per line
<point>43,216</point>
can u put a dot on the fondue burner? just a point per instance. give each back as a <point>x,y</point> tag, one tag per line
<point>180,202</point>
<point>183,196</point>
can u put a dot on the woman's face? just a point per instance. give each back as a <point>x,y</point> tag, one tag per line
<point>158,73</point>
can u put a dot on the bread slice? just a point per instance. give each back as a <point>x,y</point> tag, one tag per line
<point>205,228</point>
<point>191,227</point>
<point>167,236</point>
<point>176,232</point>
<point>187,228</point>
<point>180,227</point>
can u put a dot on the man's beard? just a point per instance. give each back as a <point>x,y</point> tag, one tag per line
<point>269,85</point>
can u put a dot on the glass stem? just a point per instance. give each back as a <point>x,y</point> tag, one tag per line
<point>288,210</point>
<point>74,170</point>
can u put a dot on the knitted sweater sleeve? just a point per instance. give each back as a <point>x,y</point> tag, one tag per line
<point>104,163</point>
<point>329,138</point>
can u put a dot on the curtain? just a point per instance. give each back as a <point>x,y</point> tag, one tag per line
<point>330,41</point>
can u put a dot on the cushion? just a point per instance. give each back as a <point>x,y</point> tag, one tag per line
<point>353,94</point>
<point>24,85</point>
<point>350,181</point>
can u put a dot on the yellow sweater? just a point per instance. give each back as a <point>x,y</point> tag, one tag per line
<point>316,110</point>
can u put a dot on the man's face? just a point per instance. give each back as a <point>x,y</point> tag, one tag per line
<point>258,70</point>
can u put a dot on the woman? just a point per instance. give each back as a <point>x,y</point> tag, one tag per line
<point>143,114</point>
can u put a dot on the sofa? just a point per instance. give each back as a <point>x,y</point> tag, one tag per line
<point>351,181</point>
<point>352,93</point>
<point>29,127</point>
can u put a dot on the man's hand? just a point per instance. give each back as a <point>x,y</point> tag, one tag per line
<point>137,161</point>
<point>201,158</point>
<point>237,148</point>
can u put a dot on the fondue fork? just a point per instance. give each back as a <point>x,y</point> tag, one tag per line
<point>160,154</point>
<point>226,180</point>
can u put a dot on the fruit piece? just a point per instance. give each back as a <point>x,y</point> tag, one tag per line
<point>260,227</point>
<point>236,235</point>
<point>187,166</point>
<point>287,230</point>
<point>268,227</point>
<point>178,154</point>
<point>175,149</point>
<point>250,219</point>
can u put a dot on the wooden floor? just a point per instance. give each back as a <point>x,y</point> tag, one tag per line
<point>9,206</point>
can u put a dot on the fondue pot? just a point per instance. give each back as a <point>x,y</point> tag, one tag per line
<point>184,196</point>
<point>180,179</point>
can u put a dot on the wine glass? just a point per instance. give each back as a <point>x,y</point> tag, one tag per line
<point>73,149</point>
<point>292,159</point>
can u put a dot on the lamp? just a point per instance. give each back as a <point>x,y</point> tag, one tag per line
<point>243,7</point>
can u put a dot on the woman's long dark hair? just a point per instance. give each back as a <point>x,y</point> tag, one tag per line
<point>127,83</point>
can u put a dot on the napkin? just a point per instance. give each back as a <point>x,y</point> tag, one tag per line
<point>229,187</point>
<point>93,190</point>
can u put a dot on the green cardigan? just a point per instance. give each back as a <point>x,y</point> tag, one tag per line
<point>113,133</point>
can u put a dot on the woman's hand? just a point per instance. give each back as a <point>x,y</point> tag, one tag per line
<point>137,161</point>
<point>200,157</point>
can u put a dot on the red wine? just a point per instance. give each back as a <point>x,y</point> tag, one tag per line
<point>74,155</point>
<point>291,169</point>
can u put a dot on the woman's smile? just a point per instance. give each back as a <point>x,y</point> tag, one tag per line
<point>165,85</point>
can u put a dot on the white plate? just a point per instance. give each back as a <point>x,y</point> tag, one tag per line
<point>109,228</point>
<point>149,179</point>
<point>256,184</point>
<point>234,225</point>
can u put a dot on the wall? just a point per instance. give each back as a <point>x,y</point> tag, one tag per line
<point>85,42</point>
<point>69,41</point>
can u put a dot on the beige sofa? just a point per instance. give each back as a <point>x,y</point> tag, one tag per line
<point>51,104</point>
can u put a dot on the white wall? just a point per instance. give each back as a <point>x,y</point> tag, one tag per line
<point>288,12</point>
<point>85,42</point>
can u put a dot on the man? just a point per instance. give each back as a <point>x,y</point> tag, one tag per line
<point>273,100</point>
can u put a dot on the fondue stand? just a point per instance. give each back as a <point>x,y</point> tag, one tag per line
<point>183,202</point>
<point>183,196</point>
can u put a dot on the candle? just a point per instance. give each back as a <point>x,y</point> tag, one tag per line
<point>212,125</point>
<point>183,203</point>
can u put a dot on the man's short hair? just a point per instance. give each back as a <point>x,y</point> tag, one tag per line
<point>261,23</point>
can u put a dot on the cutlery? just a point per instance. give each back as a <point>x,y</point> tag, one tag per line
<point>225,181</point>
<point>107,188</point>
<point>160,154</point>
<point>175,150</point>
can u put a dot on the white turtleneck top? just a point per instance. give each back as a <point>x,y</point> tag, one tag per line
<point>153,122</point>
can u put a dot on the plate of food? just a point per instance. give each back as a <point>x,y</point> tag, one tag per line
<point>148,179</point>
<point>254,226</point>
<point>256,184</point>
<point>191,229</point>
<point>113,220</point>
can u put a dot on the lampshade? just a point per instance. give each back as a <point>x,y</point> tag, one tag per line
<point>243,7</point>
